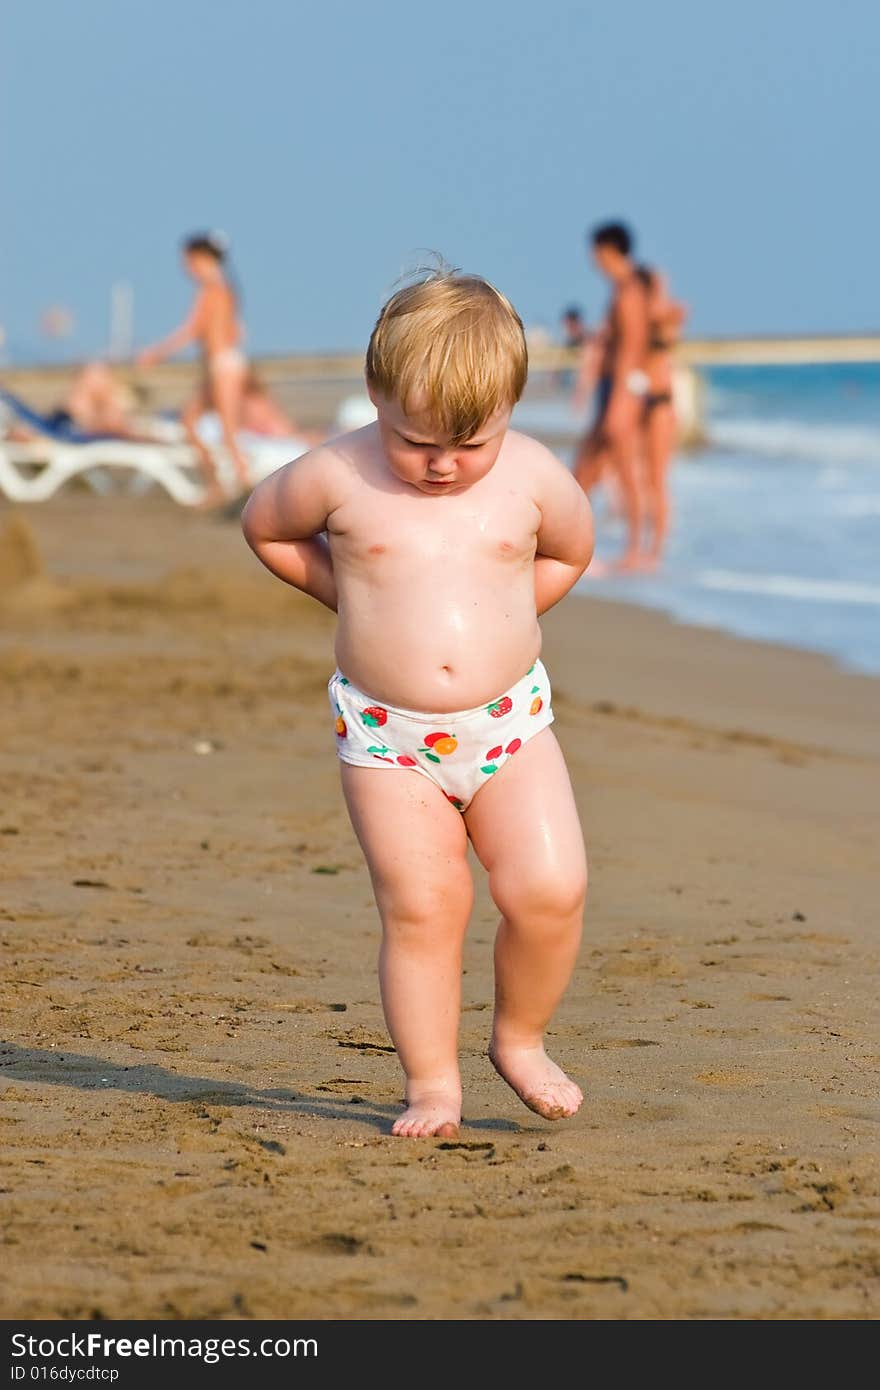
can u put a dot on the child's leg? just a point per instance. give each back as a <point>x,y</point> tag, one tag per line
<point>416,846</point>
<point>524,827</point>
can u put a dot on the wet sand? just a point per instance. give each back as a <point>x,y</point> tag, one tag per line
<point>196,1080</point>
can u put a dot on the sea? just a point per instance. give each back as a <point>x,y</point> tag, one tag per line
<point>776,521</point>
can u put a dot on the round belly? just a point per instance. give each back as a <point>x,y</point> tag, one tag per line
<point>438,651</point>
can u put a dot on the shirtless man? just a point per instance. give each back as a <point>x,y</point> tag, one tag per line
<point>613,438</point>
<point>439,535</point>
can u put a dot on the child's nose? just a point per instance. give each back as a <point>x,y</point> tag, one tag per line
<point>442,464</point>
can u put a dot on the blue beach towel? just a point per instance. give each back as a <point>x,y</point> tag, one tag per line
<point>57,426</point>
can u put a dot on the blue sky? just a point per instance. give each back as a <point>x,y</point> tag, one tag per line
<point>334,141</point>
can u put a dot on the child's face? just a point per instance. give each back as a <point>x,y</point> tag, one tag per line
<point>418,454</point>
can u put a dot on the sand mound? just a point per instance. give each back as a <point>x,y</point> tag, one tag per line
<point>19,554</point>
<point>25,588</point>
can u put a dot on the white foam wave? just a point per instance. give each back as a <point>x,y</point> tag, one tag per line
<point>797,439</point>
<point>791,587</point>
<point>857,505</point>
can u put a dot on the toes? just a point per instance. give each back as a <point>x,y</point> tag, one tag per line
<point>553,1109</point>
<point>410,1126</point>
<point>555,1102</point>
<point>404,1127</point>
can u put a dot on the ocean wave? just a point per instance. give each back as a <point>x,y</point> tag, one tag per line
<point>857,505</point>
<point>785,438</point>
<point>792,587</point>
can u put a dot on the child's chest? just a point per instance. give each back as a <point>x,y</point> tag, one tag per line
<point>423,531</point>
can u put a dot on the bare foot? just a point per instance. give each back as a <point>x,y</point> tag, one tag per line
<point>213,497</point>
<point>628,562</point>
<point>429,1113</point>
<point>649,563</point>
<point>537,1080</point>
<point>597,569</point>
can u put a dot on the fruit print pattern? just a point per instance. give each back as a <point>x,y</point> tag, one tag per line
<point>459,753</point>
<point>499,708</point>
<point>381,752</point>
<point>439,746</point>
<point>492,764</point>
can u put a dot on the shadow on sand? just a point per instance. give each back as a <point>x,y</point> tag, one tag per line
<point>56,1068</point>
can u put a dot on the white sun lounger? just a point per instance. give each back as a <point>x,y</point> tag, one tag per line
<point>34,471</point>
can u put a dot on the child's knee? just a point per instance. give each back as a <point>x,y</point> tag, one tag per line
<point>415,910</point>
<point>546,896</point>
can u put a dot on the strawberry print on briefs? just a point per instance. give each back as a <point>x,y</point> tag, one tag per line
<point>458,752</point>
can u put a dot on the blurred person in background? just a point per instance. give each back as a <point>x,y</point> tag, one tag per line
<point>666,318</point>
<point>576,337</point>
<point>97,405</point>
<point>614,437</point>
<point>575,332</point>
<point>262,414</point>
<point>214,324</point>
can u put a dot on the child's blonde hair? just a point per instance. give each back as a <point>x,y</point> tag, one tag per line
<point>450,345</point>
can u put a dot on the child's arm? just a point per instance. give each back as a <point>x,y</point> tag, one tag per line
<point>565,535</point>
<point>188,332</point>
<point>282,523</point>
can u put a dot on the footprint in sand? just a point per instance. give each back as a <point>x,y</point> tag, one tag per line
<point>363,1040</point>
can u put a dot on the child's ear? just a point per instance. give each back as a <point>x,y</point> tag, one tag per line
<point>372,392</point>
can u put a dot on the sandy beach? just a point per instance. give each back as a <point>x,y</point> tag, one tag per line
<point>197,1083</point>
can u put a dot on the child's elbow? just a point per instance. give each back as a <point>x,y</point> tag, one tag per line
<point>588,547</point>
<point>249,521</point>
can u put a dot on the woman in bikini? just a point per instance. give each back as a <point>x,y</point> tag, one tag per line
<point>666,318</point>
<point>214,324</point>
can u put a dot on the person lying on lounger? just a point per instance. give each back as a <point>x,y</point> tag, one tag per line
<point>97,406</point>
